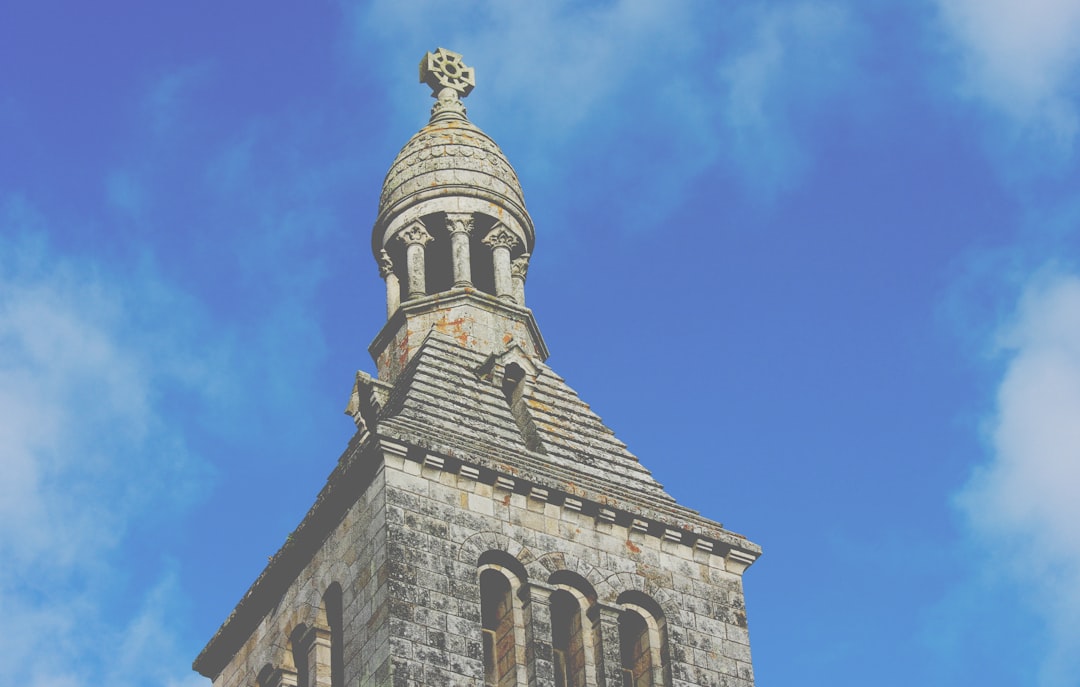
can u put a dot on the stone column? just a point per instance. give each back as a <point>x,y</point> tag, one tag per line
<point>415,237</point>
<point>460,226</point>
<point>393,288</point>
<point>609,670</point>
<point>519,268</point>
<point>501,240</point>
<point>539,659</point>
<point>317,644</point>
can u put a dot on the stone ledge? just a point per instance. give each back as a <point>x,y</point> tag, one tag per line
<point>735,558</point>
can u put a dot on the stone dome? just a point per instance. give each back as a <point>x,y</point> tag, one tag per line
<point>451,166</point>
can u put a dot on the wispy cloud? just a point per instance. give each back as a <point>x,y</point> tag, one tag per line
<point>1022,59</point>
<point>168,97</point>
<point>1023,503</point>
<point>88,362</point>
<point>795,56</point>
<point>663,92</point>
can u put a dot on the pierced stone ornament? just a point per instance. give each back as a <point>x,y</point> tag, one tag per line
<point>444,69</point>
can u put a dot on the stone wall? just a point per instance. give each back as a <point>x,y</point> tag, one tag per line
<point>354,556</point>
<point>406,556</point>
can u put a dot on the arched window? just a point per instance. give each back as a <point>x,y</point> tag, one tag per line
<point>497,615</point>
<point>332,605</point>
<point>298,647</point>
<point>575,632</point>
<point>634,650</point>
<point>567,640</point>
<point>502,621</point>
<point>643,647</point>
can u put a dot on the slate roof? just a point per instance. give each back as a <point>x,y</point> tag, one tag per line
<point>444,402</point>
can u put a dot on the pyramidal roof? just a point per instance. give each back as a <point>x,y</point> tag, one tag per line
<point>454,401</point>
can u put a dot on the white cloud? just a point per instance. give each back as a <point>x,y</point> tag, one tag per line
<point>796,55</point>
<point>1024,503</point>
<point>675,87</point>
<point>1021,57</point>
<point>88,359</point>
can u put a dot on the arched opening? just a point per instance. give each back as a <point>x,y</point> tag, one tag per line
<point>497,619</point>
<point>438,263</point>
<point>483,270</point>
<point>643,644</point>
<point>300,656</point>
<point>575,629</point>
<point>502,619</point>
<point>332,605</point>
<point>512,385</point>
<point>634,650</point>
<point>567,640</point>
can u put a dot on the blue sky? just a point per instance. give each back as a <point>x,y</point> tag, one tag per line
<point>815,262</point>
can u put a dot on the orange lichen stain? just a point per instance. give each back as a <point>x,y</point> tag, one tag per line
<point>508,338</point>
<point>538,405</point>
<point>633,549</point>
<point>506,500</point>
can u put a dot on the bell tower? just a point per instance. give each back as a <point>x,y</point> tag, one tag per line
<point>483,526</point>
<point>453,237</point>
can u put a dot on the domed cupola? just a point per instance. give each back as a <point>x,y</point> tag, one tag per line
<point>452,233</point>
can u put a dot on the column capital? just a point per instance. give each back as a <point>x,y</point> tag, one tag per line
<point>415,235</point>
<point>459,222</point>
<point>500,237</point>
<point>386,265</point>
<point>519,267</point>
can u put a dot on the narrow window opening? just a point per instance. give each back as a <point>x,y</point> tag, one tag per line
<point>438,262</point>
<point>635,650</point>
<point>513,377</point>
<point>497,618</point>
<point>513,389</point>
<point>300,657</point>
<point>334,621</point>
<point>483,269</point>
<point>567,640</point>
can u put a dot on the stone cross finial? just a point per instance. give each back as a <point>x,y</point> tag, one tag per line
<point>450,80</point>
<point>444,69</point>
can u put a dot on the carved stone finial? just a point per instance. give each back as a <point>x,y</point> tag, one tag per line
<point>415,233</point>
<point>500,237</point>
<point>450,80</point>
<point>519,267</point>
<point>444,69</point>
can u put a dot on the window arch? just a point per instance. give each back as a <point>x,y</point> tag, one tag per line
<point>332,607</point>
<point>567,640</point>
<point>298,648</point>
<point>643,646</point>
<point>575,631</point>
<point>501,618</point>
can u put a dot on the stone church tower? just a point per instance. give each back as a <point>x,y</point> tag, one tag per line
<point>483,527</point>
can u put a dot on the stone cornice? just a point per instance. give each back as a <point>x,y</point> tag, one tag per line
<point>450,298</point>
